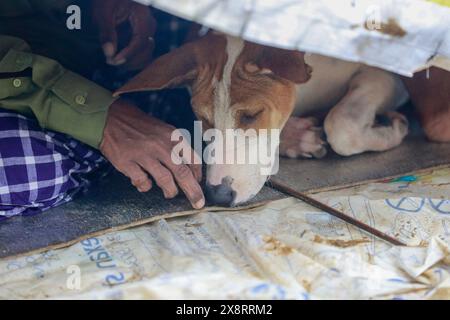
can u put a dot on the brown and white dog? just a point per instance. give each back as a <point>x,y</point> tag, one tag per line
<point>240,85</point>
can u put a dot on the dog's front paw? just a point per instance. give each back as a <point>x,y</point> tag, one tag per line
<point>399,123</point>
<point>301,137</point>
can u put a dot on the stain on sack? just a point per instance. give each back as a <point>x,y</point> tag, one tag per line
<point>276,246</point>
<point>340,243</point>
<point>391,27</point>
<point>195,225</point>
<point>307,285</point>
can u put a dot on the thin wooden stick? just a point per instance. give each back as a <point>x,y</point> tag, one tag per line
<point>336,213</point>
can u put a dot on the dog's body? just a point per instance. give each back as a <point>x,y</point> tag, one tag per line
<point>352,95</point>
<point>241,85</point>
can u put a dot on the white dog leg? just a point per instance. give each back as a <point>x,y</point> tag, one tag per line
<point>351,126</point>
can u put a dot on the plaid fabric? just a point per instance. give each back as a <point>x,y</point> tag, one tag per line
<point>40,169</point>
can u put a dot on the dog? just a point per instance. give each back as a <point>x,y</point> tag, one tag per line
<point>236,84</point>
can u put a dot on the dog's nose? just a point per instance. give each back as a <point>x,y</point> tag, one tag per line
<point>222,194</point>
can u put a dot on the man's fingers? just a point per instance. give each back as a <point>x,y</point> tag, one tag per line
<point>109,15</point>
<point>187,181</point>
<point>127,53</point>
<point>150,152</point>
<point>193,160</point>
<point>138,177</point>
<point>106,16</point>
<point>108,38</point>
<point>141,59</point>
<point>109,49</point>
<point>142,25</point>
<point>197,171</point>
<point>162,177</point>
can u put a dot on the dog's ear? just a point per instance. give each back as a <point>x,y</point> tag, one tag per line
<point>174,69</point>
<point>287,64</point>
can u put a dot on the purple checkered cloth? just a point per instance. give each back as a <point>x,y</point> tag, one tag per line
<point>40,169</point>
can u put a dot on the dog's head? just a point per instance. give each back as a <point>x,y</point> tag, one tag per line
<point>235,85</point>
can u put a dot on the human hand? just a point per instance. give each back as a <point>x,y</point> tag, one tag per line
<point>109,15</point>
<point>140,146</point>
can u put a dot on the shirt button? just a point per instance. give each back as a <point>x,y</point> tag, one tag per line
<point>17,83</point>
<point>79,99</point>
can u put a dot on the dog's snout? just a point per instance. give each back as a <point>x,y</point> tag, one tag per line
<point>222,194</point>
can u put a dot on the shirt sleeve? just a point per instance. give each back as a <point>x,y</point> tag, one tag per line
<point>59,99</point>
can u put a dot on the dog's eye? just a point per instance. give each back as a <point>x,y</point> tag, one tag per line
<point>247,118</point>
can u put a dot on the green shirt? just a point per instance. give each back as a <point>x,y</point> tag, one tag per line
<point>38,86</point>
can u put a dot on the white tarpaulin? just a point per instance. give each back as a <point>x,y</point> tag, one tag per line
<point>284,250</point>
<point>397,35</point>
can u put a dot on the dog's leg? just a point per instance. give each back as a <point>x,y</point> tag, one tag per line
<point>301,137</point>
<point>352,127</point>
